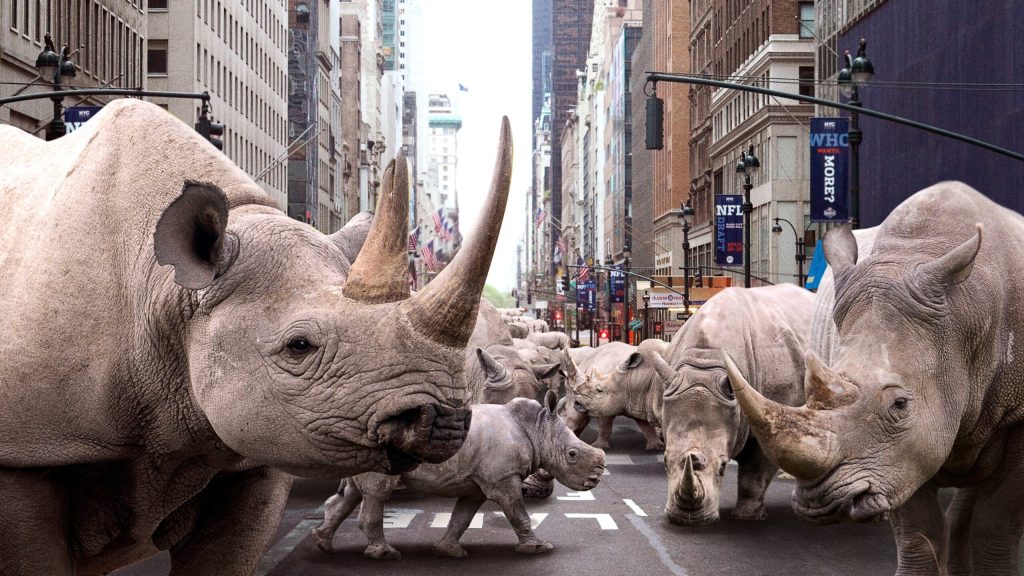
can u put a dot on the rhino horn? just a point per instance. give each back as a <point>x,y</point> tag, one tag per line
<point>953,267</point>
<point>691,487</point>
<point>379,273</point>
<point>445,310</point>
<point>825,389</point>
<point>799,440</point>
<point>494,370</point>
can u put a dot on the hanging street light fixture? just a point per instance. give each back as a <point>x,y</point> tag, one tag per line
<point>748,165</point>
<point>857,72</point>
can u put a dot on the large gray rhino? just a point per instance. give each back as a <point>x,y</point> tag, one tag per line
<point>926,388</point>
<point>173,342</point>
<point>766,330</point>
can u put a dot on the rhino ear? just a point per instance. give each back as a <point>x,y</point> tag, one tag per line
<point>634,360</point>
<point>545,371</point>
<point>494,370</point>
<point>190,235</point>
<point>954,267</point>
<point>351,237</point>
<point>551,402</point>
<point>840,249</point>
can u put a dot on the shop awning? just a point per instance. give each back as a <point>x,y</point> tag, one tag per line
<point>817,269</point>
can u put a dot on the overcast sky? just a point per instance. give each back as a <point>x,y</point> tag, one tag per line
<point>487,47</point>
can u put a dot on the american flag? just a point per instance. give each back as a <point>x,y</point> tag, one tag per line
<point>439,219</point>
<point>446,231</point>
<point>539,218</point>
<point>414,238</point>
<point>582,273</point>
<point>429,260</point>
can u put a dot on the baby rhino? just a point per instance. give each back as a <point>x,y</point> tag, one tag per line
<point>505,444</point>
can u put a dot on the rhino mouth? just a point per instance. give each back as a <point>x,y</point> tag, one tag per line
<point>426,433</point>
<point>696,517</point>
<point>587,483</point>
<point>858,502</point>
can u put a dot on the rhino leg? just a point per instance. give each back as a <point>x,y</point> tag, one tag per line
<point>997,517</point>
<point>253,499</point>
<point>654,442</point>
<point>755,472</point>
<point>960,514</point>
<point>462,515</point>
<point>508,495</point>
<point>604,433</point>
<point>376,489</point>
<point>33,532</point>
<point>336,509</point>
<point>921,534</point>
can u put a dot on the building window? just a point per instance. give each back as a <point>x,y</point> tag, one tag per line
<point>807,20</point>
<point>807,81</point>
<point>158,4</point>
<point>156,58</point>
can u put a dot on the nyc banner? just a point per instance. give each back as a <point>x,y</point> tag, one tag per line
<point>75,116</point>
<point>729,229</point>
<point>830,157</point>
<point>586,294</point>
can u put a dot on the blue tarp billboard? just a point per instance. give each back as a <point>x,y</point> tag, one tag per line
<point>830,157</point>
<point>618,286</point>
<point>729,229</point>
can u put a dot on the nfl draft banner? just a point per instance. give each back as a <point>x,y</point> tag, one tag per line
<point>617,286</point>
<point>729,229</point>
<point>830,153</point>
<point>586,294</point>
<point>75,116</point>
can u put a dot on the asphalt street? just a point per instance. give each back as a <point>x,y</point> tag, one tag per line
<point>617,529</point>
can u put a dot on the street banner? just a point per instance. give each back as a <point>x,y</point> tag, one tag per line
<point>75,116</point>
<point>729,229</point>
<point>586,294</point>
<point>618,286</point>
<point>830,157</point>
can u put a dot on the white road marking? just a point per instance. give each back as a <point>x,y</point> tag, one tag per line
<point>285,545</point>
<point>535,519</point>
<point>577,496</point>
<point>659,548</point>
<point>618,459</point>
<point>441,520</point>
<point>399,517</point>
<point>606,472</point>
<point>661,457</point>
<point>605,521</point>
<point>639,511</point>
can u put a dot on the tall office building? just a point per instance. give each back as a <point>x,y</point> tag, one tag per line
<point>237,53</point>
<point>107,41</point>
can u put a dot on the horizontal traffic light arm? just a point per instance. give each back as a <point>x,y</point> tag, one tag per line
<point>651,280</point>
<point>104,92</point>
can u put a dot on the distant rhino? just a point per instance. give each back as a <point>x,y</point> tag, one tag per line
<point>924,387</point>
<point>173,342</point>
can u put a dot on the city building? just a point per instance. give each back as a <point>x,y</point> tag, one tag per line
<point>944,63</point>
<point>106,38</point>
<point>238,53</point>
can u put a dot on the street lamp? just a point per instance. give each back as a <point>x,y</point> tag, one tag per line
<point>800,253</point>
<point>50,65</point>
<point>685,213</point>
<point>647,303</point>
<point>747,165</point>
<point>857,72</point>
<point>625,296</point>
<point>608,263</point>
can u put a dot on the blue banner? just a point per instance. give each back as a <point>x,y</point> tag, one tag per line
<point>729,229</point>
<point>830,157</point>
<point>618,286</point>
<point>75,116</point>
<point>586,294</point>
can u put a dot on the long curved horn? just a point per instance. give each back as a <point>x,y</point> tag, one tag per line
<point>380,272</point>
<point>445,310</point>
<point>799,440</point>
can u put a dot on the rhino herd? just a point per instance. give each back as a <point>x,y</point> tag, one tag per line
<point>176,349</point>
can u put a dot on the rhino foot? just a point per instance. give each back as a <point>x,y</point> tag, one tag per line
<point>537,488</point>
<point>750,512</point>
<point>449,549</point>
<point>382,552</point>
<point>534,547</point>
<point>601,443</point>
<point>324,539</point>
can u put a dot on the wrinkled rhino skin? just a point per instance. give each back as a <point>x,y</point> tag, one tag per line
<point>180,342</point>
<point>505,445</point>
<point>766,329</point>
<point>922,388</point>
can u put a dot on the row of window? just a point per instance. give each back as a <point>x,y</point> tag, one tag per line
<point>247,47</point>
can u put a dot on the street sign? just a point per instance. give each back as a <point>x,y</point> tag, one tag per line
<point>729,229</point>
<point>830,146</point>
<point>680,315</point>
<point>75,116</point>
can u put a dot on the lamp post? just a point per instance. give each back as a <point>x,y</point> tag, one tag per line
<point>685,213</point>
<point>608,304</point>
<point>625,297</point>
<point>647,304</point>
<point>747,165</point>
<point>857,72</point>
<point>801,255</point>
<point>52,66</point>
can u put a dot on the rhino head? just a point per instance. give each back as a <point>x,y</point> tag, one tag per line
<point>634,387</point>
<point>560,452</point>
<point>299,359</point>
<point>506,375</point>
<point>882,419</point>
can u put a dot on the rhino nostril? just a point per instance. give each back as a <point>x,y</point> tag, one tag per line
<point>579,407</point>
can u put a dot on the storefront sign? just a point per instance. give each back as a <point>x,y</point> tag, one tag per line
<point>666,300</point>
<point>729,229</point>
<point>830,147</point>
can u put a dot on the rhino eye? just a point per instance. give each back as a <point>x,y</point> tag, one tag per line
<point>900,403</point>
<point>726,388</point>
<point>572,454</point>
<point>299,345</point>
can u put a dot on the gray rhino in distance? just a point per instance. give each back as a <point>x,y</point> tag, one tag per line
<point>765,329</point>
<point>618,379</point>
<point>924,389</point>
<point>506,444</point>
<point>182,344</point>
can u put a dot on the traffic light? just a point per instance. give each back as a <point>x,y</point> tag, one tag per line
<point>558,314</point>
<point>603,334</point>
<point>565,284</point>
<point>212,131</point>
<point>698,279</point>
